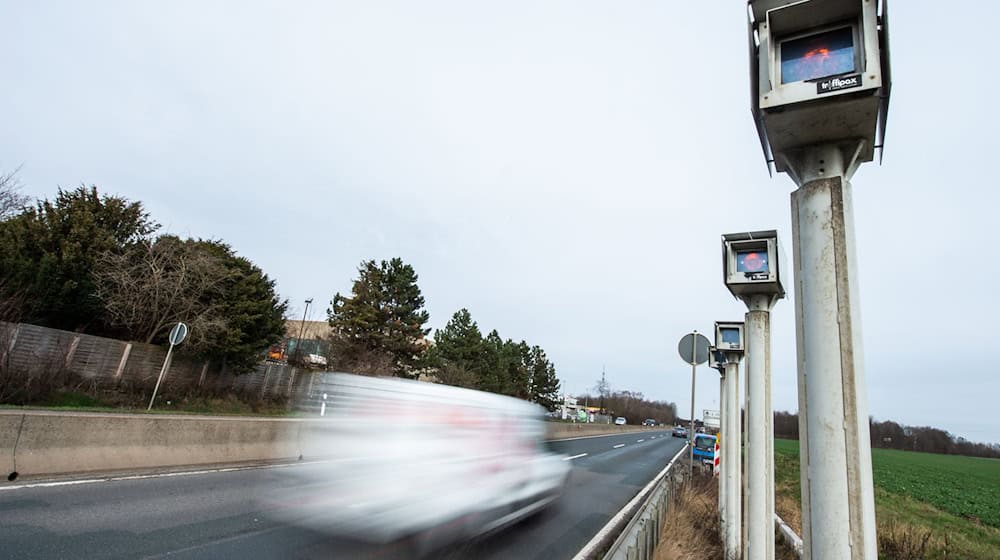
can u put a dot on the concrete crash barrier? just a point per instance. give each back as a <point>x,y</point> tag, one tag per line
<point>37,443</point>
<point>53,443</point>
<point>559,430</point>
<point>10,425</point>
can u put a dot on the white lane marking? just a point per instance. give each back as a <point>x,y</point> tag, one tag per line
<point>157,475</point>
<point>589,548</point>
<point>619,445</point>
<point>639,440</point>
<point>653,437</point>
<point>574,457</point>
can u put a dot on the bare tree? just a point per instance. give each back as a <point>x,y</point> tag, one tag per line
<point>157,283</point>
<point>12,199</point>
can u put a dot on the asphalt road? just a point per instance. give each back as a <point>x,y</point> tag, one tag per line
<point>218,516</point>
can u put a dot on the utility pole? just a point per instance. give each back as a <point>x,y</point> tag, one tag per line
<point>604,389</point>
<point>302,330</point>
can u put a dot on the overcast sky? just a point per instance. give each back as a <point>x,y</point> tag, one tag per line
<point>562,169</point>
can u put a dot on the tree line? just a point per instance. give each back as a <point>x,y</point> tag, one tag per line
<point>95,263</point>
<point>891,435</point>
<point>633,405</point>
<point>381,326</point>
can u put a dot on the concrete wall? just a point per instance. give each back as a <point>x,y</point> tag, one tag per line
<point>45,443</point>
<point>53,443</point>
<point>560,430</point>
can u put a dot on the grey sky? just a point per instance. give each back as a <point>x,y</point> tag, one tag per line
<point>562,169</point>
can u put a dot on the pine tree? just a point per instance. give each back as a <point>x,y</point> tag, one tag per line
<point>544,385</point>
<point>459,344</point>
<point>383,317</point>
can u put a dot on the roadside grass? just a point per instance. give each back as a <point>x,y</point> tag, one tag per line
<point>209,405</point>
<point>927,506</point>
<point>691,530</point>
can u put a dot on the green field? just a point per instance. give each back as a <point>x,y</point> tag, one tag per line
<point>953,498</point>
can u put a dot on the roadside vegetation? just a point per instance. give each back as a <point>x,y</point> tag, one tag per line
<point>927,505</point>
<point>691,530</point>
<point>95,263</point>
<point>228,404</point>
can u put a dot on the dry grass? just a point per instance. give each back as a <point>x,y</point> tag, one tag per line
<point>692,528</point>
<point>902,541</point>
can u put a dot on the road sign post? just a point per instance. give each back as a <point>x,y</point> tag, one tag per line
<point>177,335</point>
<point>693,349</point>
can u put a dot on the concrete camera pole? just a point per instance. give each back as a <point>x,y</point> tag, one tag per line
<point>730,485</point>
<point>759,543</point>
<point>838,500</point>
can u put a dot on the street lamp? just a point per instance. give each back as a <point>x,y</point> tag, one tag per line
<point>302,330</point>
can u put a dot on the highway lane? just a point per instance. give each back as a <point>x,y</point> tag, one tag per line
<point>218,515</point>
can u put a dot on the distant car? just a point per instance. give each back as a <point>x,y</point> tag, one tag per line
<point>620,421</point>
<point>679,431</point>
<point>649,422</point>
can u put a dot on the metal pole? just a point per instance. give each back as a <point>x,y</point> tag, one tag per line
<point>760,433</point>
<point>694,365</point>
<point>837,492</point>
<point>731,462</point>
<point>302,330</point>
<point>159,378</point>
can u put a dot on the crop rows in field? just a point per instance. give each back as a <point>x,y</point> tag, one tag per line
<point>968,487</point>
<point>965,486</point>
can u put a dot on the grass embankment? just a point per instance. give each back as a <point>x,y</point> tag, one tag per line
<point>225,405</point>
<point>927,505</point>
<point>691,531</point>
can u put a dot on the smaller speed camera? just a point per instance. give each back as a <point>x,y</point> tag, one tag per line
<point>751,265</point>
<point>729,336</point>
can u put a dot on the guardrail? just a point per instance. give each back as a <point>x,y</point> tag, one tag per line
<point>639,538</point>
<point>642,519</point>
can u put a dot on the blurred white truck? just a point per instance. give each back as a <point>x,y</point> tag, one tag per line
<point>424,462</point>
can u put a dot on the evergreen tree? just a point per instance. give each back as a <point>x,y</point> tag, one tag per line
<point>249,311</point>
<point>493,375</point>
<point>544,385</point>
<point>459,343</point>
<point>47,255</point>
<point>383,317</point>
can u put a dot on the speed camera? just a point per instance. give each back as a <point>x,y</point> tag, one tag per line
<point>729,336</point>
<point>751,264</point>
<point>819,74</point>
<point>716,358</point>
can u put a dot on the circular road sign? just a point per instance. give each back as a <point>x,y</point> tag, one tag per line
<point>178,334</point>
<point>693,348</point>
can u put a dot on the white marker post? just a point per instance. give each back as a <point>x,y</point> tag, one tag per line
<point>177,335</point>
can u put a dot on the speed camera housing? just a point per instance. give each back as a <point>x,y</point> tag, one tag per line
<point>819,74</point>
<point>729,336</point>
<point>716,358</point>
<point>751,264</point>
